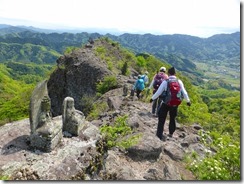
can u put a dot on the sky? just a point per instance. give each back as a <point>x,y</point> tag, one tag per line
<point>202,18</point>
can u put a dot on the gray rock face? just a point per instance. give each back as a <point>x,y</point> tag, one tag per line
<point>149,148</point>
<point>76,76</point>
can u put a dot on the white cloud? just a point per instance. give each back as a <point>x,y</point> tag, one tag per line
<point>193,17</point>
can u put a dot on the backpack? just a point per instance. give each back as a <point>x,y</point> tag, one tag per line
<point>145,78</point>
<point>158,79</point>
<point>140,84</point>
<point>173,96</point>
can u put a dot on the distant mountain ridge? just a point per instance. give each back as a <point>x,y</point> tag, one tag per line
<point>177,49</point>
<point>4,30</point>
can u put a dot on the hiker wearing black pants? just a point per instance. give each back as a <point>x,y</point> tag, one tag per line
<point>157,80</point>
<point>165,108</point>
<point>162,114</point>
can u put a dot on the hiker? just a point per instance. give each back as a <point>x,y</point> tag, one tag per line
<point>157,80</point>
<point>139,86</point>
<point>145,78</point>
<point>168,103</point>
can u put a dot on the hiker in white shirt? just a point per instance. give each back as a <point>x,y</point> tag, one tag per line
<point>164,108</point>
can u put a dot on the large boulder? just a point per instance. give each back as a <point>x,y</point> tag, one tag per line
<point>76,75</point>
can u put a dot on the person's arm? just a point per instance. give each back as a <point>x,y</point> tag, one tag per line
<point>162,87</point>
<point>151,85</point>
<point>185,94</point>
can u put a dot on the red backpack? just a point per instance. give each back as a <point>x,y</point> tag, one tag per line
<point>173,96</point>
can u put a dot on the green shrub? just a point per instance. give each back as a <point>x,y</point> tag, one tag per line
<point>124,69</point>
<point>110,65</point>
<point>70,49</point>
<point>224,165</point>
<point>100,50</point>
<point>87,103</point>
<point>141,62</point>
<point>95,110</point>
<point>4,178</point>
<point>120,134</point>
<point>109,82</point>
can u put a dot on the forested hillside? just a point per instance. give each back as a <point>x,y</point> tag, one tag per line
<point>223,47</point>
<point>17,81</point>
<point>14,97</point>
<point>217,47</point>
<point>213,58</point>
<point>27,52</point>
<point>215,104</point>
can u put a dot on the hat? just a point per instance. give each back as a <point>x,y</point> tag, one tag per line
<point>171,71</point>
<point>162,69</point>
<point>139,76</point>
<point>146,72</point>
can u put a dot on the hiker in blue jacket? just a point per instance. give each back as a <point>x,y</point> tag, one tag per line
<point>139,86</point>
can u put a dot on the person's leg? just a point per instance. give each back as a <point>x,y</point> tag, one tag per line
<point>141,94</point>
<point>154,105</point>
<point>172,115</point>
<point>158,105</point>
<point>138,93</point>
<point>162,114</point>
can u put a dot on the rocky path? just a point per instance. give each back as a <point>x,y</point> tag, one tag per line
<point>149,159</point>
<point>162,166</point>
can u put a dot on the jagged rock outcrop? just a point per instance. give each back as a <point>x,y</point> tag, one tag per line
<point>77,75</point>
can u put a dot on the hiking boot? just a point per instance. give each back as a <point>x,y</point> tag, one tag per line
<point>164,138</point>
<point>170,135</point>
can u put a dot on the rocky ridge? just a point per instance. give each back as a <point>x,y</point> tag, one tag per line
<point>86,157</point>
<point>149,159</point>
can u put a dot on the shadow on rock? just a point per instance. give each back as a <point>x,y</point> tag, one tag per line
<point>16,145</point>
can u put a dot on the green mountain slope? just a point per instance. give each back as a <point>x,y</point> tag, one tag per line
<point>223,47</point>
<point>27,53</point>
<point>17,81</point>
<point>216,57</point>
<point>219,47</point>
<point>14,97</point>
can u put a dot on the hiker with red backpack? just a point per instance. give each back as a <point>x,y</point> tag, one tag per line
<point>172,92</point>
<point>157,80</point>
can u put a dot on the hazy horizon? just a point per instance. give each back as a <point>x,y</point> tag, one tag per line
<point>201,18</point>
<point>113,31</point>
